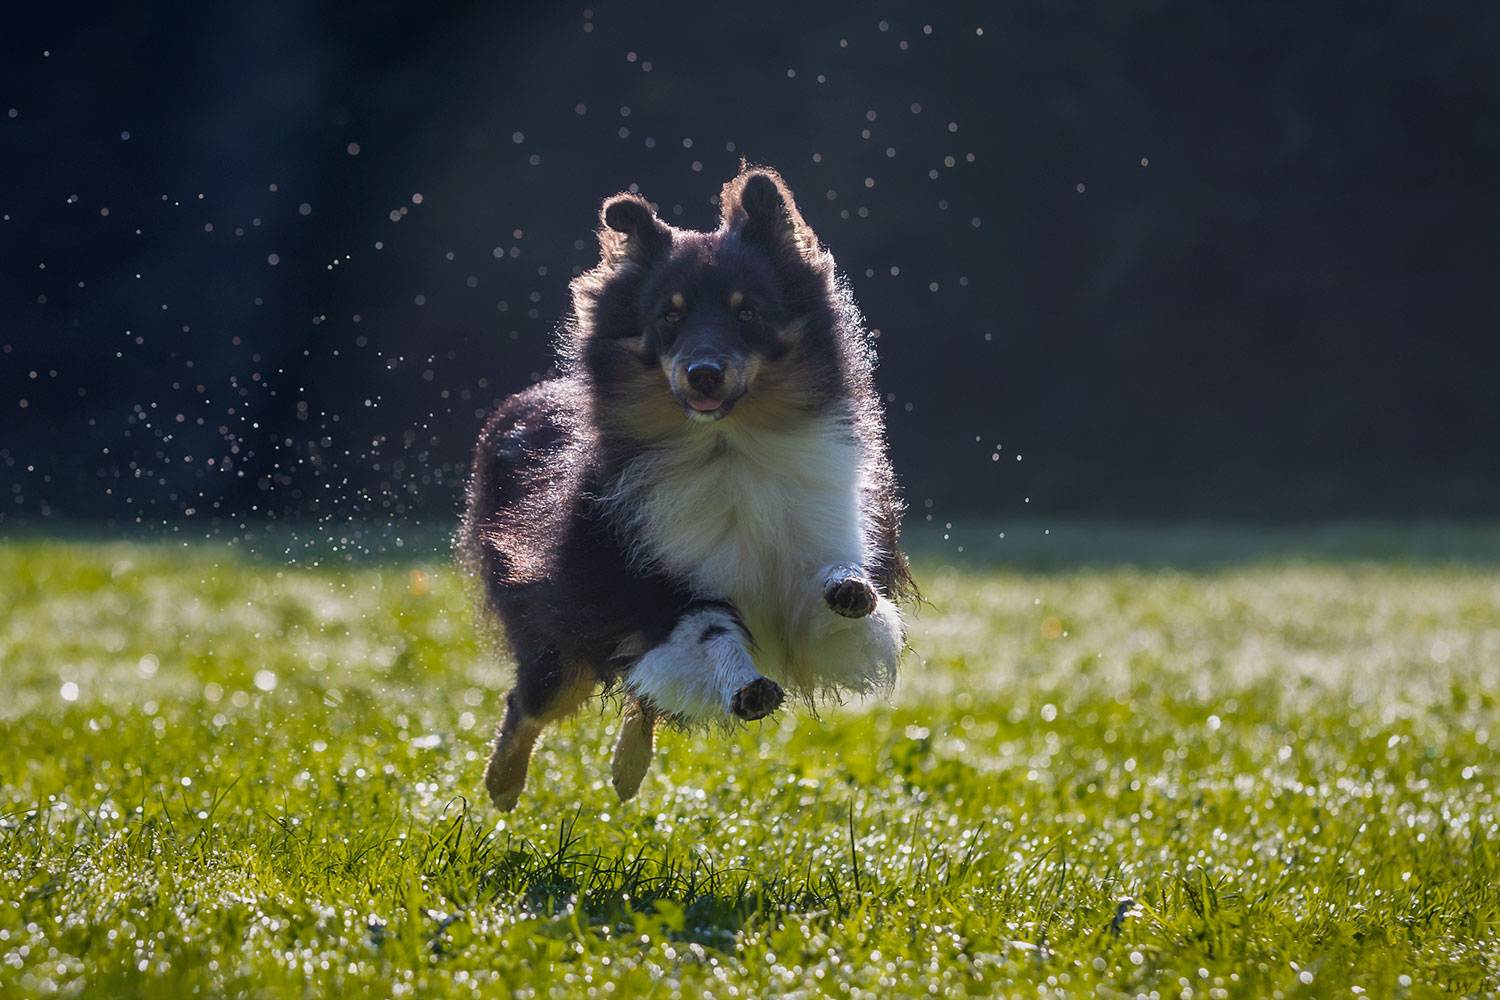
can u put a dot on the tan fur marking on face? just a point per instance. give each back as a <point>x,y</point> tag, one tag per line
<point>637,397</point>
<point>735,299</point>
<point>640,403</point>
<point>678,302</point>
<point>750,368</point>
<point>784,398</point>
<point>635,346</point>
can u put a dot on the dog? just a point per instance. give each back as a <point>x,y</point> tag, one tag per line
<point>699,513</point>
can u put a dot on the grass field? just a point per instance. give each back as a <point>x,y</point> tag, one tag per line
<point>1158,764</point>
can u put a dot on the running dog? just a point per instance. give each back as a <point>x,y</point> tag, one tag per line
<point>699,513</point>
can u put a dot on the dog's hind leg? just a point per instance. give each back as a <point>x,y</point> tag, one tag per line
<point>544,693</point>
<point>634,748</point>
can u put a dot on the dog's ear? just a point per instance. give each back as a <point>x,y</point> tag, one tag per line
<point>759,205</point>
<point>632,231</point>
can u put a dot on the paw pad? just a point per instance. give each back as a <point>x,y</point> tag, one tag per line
<point>757,699</point>
<point>850,597</point>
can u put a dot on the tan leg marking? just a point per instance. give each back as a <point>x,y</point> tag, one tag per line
<point>634,748</point>
<point>506,775</point>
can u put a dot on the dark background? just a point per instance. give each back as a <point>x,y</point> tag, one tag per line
<point>1211,258</point>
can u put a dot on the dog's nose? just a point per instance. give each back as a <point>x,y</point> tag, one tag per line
<point>705,376</point>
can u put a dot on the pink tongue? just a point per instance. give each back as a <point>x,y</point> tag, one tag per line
<point>704,404</point>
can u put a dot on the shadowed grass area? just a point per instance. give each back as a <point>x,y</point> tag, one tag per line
<point>1264,773</point>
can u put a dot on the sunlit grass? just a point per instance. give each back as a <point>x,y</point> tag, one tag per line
<point>238,778</point>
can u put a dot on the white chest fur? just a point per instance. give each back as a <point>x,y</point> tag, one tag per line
<point>742,514</point>
<point>754,517</point>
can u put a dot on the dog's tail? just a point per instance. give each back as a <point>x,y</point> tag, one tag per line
<point>517,486</point>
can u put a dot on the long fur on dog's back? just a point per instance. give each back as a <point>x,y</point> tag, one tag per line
<point>712,453</point>
<point>551,568</point>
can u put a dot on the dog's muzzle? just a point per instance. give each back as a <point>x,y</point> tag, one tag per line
<point>706,378</point>
<point>708,387</point>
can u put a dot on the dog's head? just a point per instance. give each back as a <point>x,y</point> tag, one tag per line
<point>675,325</point>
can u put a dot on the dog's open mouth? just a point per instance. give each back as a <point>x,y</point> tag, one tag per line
<point>707,406</point>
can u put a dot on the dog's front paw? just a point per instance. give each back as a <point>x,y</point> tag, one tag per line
<point>757,699</point>
<point>851,597</point>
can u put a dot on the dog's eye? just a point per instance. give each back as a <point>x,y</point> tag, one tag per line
<point>747,314</point>
<point>672,316</point>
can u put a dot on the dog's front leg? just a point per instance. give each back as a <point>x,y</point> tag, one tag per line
<point>847,591</point>
<point>861,642</point>
<point>704,670</point>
